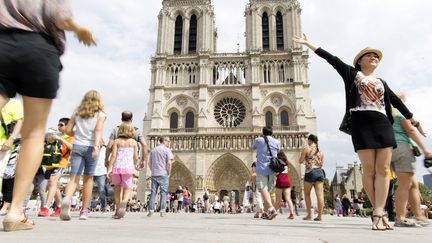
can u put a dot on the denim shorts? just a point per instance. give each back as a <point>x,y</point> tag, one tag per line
<point>316,175</point>
<point>81,160</point>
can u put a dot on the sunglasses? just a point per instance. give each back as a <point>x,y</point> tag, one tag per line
<point>61,125</point>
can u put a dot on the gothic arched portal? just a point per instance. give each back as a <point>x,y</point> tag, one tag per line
<point>228,173</point>
<point>181,176</point>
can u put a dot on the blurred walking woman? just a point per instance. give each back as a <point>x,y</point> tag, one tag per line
<point>404,165</point>
<point>32,39</point>
<point>368,118</point>
<point>314,176</point>
<point>86,126</point>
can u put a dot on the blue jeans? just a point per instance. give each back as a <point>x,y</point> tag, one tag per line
<point>162,182</point>
<point>81,160</point>
<point>100,181</point>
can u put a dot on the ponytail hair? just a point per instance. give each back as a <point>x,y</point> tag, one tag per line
<point>314,139</point>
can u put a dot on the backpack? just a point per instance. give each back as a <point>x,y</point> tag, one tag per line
<point>205,196</point>
<point>52,154</point>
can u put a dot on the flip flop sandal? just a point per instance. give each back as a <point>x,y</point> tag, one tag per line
<point>16,224</point>
<point>317,219</point>
<point>375,225</point>
<point>406,223</point>
<point>385,222</point>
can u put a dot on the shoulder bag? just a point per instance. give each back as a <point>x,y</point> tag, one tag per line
<point>276,164</point>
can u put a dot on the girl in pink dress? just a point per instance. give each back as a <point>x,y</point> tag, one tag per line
<point>121,166</point>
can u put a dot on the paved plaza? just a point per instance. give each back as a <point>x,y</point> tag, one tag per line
<point>137,227</point>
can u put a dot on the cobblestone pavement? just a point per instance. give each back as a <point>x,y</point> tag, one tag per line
<point>137,227</point>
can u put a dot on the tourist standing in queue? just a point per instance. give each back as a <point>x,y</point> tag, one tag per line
<point>11,116</point>
<point>100,176</point>
<point>54,172</point>
<point>404,165</point>
<point>283,186</point>
<point>121,166</point>
<point>179,196</point>
<point>30,66</point>
<point>368,119</point>
<point>206,198</point>
<point>186,199</point>
<point>160,165</point>
<point>314,176</point>
<point>86,126</point>
<point>265,177</point>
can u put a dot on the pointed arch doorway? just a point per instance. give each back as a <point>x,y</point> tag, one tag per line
<point>228,173</point>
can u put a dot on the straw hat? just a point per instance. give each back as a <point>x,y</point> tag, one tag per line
<point>366,51</point>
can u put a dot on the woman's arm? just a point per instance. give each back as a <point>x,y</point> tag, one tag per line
<point>69,127</point>
<point>345,71</point>
<point>84,35</point>
<point>135,157</point>
<point>98,134</point>
<point>413,133</point>
<point>303,155</point>
<point>113,156</point>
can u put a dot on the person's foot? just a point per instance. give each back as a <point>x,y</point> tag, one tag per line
<point>308,217</point>
<point>378,223</point>
<point>43,212</point>
<point>291,216</point>
<point>122,209</point>
<point>406,223</point>
<point>83,215</point>
<point>56,212</point>
<point>385,221</point>
<point>318,218</point>
<point>150,213</point>
<point>271,214</point>
<point>162,214</point>
<point>65,214</point>
<point>256,216</point>
<point>264,216</point>
<point>10,223</point>
<point>423,221</point>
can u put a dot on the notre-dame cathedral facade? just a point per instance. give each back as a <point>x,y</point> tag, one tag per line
<point>213,105</point>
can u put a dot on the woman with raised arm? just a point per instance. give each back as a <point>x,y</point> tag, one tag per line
<point>32,39</point>
<point>368,118</point>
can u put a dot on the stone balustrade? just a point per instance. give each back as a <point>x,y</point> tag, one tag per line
<point>234,142</point>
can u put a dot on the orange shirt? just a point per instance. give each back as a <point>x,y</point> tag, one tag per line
<point>65,152</point>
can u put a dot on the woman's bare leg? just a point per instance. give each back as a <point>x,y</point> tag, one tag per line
<point>307,190</point>
<point>36,112</point>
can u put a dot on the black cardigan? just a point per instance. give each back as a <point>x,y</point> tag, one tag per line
<point>352,97</point>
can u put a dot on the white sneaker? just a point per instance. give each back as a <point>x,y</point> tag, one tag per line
<point>162,214</point>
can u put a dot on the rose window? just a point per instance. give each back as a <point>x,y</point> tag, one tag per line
<point>229,112</point>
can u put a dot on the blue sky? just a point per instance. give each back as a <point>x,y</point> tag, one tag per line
<point>126,32</point>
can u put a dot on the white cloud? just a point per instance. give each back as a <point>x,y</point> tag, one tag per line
<point>127,33</point>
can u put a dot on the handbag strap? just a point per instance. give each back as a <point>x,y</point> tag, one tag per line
<point>268,146</point>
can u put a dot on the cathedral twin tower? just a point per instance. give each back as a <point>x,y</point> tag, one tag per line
<point>214,105</point>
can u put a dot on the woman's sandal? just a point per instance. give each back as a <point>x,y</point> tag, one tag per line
<point>317,219</point>
<point>307,218</point>
<point>385,222</point>
<point>16,224</point>
<point>375,225</point>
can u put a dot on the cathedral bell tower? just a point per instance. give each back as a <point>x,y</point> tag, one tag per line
<point>186,27</point>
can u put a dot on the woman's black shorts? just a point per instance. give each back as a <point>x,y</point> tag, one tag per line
<point>29,64</point>
<point>371,130</point>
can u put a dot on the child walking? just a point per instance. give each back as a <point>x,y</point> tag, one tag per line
<point>121,166</point>
<point>88,120</point>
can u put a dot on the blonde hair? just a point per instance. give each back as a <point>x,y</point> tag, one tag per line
<point>90,105</point>
<point>402,97</point>
<point>126,130</point>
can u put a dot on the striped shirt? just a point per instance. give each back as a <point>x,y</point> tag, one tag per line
<point>36,16</point>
